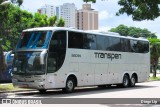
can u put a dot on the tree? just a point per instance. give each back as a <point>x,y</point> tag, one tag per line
<point>155,54</point>
<point>52,21</point>
<point>93,1</point>
<point>133,31</point>
<point>121,29</point>
<point>14,20</point>
<point>138,9</point>
<point>60,22</point>
<point>2,61</point>
<point>41,20</point>
<point>18,2</point>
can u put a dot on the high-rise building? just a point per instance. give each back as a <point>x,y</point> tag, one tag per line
<point>87,18</point>
<point>58,12</point>
<point>49,10</point>
<point>67,12</point>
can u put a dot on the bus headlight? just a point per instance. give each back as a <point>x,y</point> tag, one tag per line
<point>14,80</point>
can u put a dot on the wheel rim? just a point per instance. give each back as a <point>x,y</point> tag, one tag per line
<point>70,85</point>
<point>133,80</point>
<point>125,81</point>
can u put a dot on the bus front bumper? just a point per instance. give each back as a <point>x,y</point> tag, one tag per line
<point>29,85</point>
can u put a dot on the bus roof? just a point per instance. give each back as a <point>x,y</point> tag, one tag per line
<point>113,34</point>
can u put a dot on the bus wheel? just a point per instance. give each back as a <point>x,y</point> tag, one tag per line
<point>133,81</point>
<point>125,82</point>
<point>70,85</point>
<point>42,91</point>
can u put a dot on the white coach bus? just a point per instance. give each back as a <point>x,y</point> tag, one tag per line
<point>62,58</point>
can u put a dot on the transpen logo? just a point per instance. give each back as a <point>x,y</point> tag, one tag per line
<point>110,56</point>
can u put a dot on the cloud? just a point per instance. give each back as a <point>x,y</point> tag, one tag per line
<point>104,28</point>
<point>103,15</point>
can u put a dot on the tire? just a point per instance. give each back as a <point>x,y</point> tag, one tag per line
<point>70,85</point>
<point>42,91</point>
<point>133,81</point>
<point>126,81</point>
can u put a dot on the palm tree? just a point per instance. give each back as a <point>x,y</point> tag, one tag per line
<point>155,53</point>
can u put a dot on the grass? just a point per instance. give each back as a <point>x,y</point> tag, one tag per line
<point>4,87</point>
<point>9,87</point>
<point>154,78</point>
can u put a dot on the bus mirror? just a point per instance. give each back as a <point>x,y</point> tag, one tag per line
<point>42,55</point>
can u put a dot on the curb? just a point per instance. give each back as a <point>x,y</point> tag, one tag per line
<point>12,91</point>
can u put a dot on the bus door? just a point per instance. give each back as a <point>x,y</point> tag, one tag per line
<point>56,54</point>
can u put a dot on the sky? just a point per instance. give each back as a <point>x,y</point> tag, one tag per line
<point>107,10</point>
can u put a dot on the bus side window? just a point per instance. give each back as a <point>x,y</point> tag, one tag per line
<point>58,41</point>
<point>57,51</point>
<point>115,44</point>
<point>89,41</point>
<point>75,40</point>
<point>125,45</point>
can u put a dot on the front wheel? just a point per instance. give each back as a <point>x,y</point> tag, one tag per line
<point>70,85</point>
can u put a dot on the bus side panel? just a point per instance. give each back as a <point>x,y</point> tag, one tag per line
<point>114,73</point>
<point>101,74</point>
<point>143,73</point>
<point>87,74</point>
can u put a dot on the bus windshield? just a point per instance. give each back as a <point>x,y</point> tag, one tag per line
<point>34,40</point>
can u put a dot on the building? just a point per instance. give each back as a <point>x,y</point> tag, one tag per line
<point>58,12</point>
<point>87,18</point>
<point>49,10</point>
<point>67,12</point>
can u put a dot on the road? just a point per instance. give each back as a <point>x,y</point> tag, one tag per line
<point>141,90</point>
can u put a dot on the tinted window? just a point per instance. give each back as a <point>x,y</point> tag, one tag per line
<point>134,46</point>
<point>58,41</point>
<point>89,41</point>
<point>101,42</point>
<point>34,39</point>
<point>115,44</point>
<point>139,46</point>
<point>75,40</point>
<point>143,46</point>
<point>107,43</point>
<point>57,51</point>
<point>125,43</point>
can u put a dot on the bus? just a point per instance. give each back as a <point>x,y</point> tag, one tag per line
<point>6,75</point>
<point>62,58</point>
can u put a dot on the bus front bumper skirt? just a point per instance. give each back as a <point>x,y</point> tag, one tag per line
<point>29,85</point>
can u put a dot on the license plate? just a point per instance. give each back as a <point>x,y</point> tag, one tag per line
<point>24,85</point>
